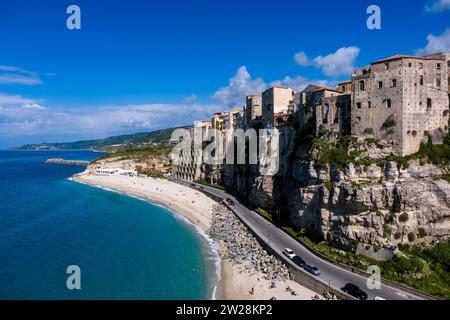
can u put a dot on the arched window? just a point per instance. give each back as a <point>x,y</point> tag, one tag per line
<point>362,85</point>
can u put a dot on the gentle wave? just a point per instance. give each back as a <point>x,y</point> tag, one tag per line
<point>211,244</point>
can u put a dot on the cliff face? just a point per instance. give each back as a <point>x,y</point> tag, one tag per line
<point>378,204</point>
<point>373,205</point>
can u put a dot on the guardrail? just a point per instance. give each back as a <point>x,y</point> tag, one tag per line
<point>384,281</point>
<point>296,273</point>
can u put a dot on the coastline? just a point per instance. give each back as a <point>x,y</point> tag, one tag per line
<point>195,207</point>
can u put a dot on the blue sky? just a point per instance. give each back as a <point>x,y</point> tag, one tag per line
<point>144,65</point>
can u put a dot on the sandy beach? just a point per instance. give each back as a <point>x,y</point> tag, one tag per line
<point>235,283</point>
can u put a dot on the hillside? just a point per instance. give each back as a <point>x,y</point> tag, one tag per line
<point>98,144</point>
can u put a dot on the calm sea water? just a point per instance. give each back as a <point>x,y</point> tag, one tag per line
<point>126,248</point>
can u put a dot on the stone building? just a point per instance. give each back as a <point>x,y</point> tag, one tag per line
<point>252,110</point>
<point>276,100</point>
<point>345,87</point>
<point>334,114</point>
<point>189,168</point>
<point>403,100</point>
<point>313,108</point>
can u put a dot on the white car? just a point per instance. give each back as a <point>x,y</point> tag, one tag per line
<point>289,253</point>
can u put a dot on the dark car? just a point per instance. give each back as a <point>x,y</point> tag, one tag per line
<point>230,202</point>
<point>299,261</point>
<point>354,291</point>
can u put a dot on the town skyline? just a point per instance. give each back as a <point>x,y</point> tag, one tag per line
<point>53,99</point>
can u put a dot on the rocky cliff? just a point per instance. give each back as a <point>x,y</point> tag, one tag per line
<point>369,200</point>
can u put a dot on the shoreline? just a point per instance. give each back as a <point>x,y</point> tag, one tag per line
<point>192,206</point>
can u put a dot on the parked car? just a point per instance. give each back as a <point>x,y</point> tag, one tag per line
<point>354,291</point>
<point>299,261</point>
<point>312,269</point>
<point>289,253</point>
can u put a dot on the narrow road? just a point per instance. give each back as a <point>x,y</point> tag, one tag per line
<point>331,274</point>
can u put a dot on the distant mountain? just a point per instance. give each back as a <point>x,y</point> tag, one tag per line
<point>97,144</point>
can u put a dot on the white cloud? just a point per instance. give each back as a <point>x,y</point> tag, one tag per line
<point>437,6</point>
<point>243,84</point>
<point>16,75</point>
<point>6,99</point>
<point>436,44</point>
<point>97,121</point>
<point>33,106</point>
<point>298,82</point>
<point>302,59</point>
<point>238,87</point>
<point>341,62</point>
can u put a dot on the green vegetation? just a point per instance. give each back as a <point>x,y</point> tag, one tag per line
<point>389,123</point>
<point>387,230</point>
<point>427,270</point>
<point>268,216</point>
<point>403,217</point>
<point>208,184</point>
<point>97,144</point>
<point>142,153</point>
<point>368,131</point>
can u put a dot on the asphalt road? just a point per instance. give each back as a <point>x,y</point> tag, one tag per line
<point>331,274</point>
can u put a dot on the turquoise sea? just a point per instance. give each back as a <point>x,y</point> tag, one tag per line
<point>126,248</point>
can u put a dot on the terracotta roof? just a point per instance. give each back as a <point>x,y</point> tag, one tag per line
<point>402,56</point>
<point>328,89</point>
<point>280,87</point>
<point>345,82</point>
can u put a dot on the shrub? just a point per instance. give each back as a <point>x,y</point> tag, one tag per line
<point>397,235</point>
<point>440,253</point>
<point>368,131</point>
<point>389,218</point>
<point>389,123</point>
<point>411,237</point>
<point>387,230</point>
<point>404,217</point>
<point>422,233</point>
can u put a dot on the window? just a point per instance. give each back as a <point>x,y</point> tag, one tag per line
<point>362,86</point>
<point>410,64</point>
<point>358,105</point>
<point>421,80</point>
<point>369,104</point>
<point>380,84</point>
<point>343,88</point>
<point>388,103</point>
<point>358,118</point>
<point>421,65</point>
<point>394,83</point>
<point>429,103</point>
<point>438,81</point>
<point>386,66</point>
<point>439,66</point>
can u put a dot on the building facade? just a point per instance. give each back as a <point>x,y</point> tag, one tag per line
<point>403,100</point>
<point>276,100</point>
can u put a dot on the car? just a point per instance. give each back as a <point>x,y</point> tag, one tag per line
<point>289,253</point>
<point>312,269</point>
<point>299,261</point>
<point>230,202</point>
<point>355,291</point>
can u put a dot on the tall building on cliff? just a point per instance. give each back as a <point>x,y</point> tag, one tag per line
<point>402,99</point>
